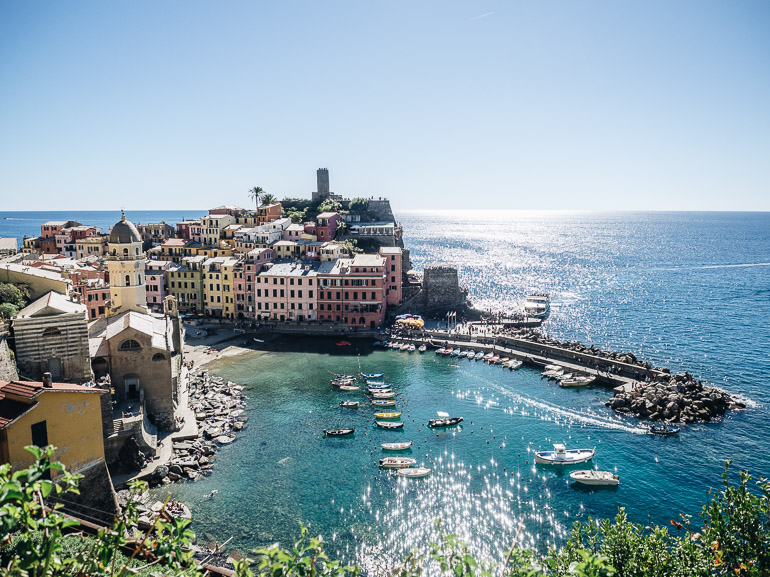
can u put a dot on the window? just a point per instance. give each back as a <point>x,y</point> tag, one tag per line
<point>51,332</point>
<point>130,345</point>
<point>128,280</point>
<point>158,357</point>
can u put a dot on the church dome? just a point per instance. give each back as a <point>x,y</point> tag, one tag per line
<point>124,232</point>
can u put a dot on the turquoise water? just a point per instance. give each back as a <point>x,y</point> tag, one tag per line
<point>683,290</point>
<point>688,291</point>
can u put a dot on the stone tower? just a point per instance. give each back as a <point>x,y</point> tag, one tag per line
<point>322,183</point>
<point>125,263</point>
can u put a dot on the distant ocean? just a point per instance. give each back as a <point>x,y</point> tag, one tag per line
<point>689,291</point>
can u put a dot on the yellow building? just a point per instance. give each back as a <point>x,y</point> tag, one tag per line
<point>186,284</point>
<point>89,246</point>
<point>218,275</point>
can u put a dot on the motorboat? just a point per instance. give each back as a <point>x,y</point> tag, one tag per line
<point>340,382</point>
<point>478,356</point>
<point>488,356</point>
<point>502,361</point>
<point>389,424</point>
<point>593,477</point>
<point>562,456</point>
<point>397,462</point>
<point>393,415</point>
<point>372,376</point>
<point>513,364</point>
<point>396,446</point>
<point>494,359</point>
<point>350,388</point>
<point>537,305</point>
<point>553,374</point>
<point>422,348</point>
<point>663,430</point>
<point>444,420</point>
<point>338,432</point>
<point>404,347</point>
<point>412,348</point>
<point>349,404</point>
<point>382,394</point>
<point>440,351</point>
<point>577,382</point>
<point>553,368</point>
<point>414,472</point>
<point>383,403</point>
<point>378,385</point>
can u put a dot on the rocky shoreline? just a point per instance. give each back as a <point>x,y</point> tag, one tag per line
<point>681,399</point>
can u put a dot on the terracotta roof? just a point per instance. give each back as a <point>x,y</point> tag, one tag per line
<point>30,390</point>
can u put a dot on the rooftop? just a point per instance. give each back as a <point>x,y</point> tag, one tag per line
<point>294,268</point>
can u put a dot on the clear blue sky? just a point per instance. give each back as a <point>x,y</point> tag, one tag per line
<point>435,104</point>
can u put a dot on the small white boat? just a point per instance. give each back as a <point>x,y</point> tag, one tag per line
<point>503,360</point>
<point>552,374</point>
<point>389,424</point>
<point>396,446</point>
<point>397,462</point>
<point>339,382</point>
<point>479,356</point>
<point>577,382</point>
<point>350,388</point>
<point>372,375</point>
<point>592,477</point>
<point>411,348</point>
<point>494,360</point>
<point>488,356</point>
<point>561,456</point>
<point>372,382</point>
<point>404,347</point>
<point>513,364</point>
<point>553,368</point>
<point>382,394</point>
<point>379,391</point>
<point>349,404</point>
<point>422,348</point>
<point>382,385</point>
<point>414,472</point>
<point>537,305</point>
<point>455,352</point>
<point>440,351</point>
<point>383,403</point>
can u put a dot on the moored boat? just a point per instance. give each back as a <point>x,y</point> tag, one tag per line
<point>444,420</point>
<point>537,305</point>
<point>404,347</point>
<point>389,424</point>
<point>339,432</point>
<point>382,394</point>
<point>396,446</point>
<point>411,348</point>
<point>663,430</point>
<point>562,456</point>
<point>577,382</point>
<point>383,403</point>
<point>350,388</point>
<point>422,348</point>
<point>440,351</point>
<point>349,404</point>
<point>393,415</point>
<point>488,356</point>
<point>448,351</point>
<point>380,385</point>
<point>478,356</point>
<point>372,375</point>
<point>397,462</point>
<point>374,382</point>
<point>592,477</point>
<point>414,472</point>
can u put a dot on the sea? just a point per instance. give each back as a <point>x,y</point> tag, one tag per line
<point>684,290</point>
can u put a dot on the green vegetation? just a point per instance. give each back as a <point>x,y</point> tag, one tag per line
<point>734,540</point>
<point>12,300</point>
<point>268,198</point>
<point>255,194</point>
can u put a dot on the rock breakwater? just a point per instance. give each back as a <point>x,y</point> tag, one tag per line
<point>681,399</point>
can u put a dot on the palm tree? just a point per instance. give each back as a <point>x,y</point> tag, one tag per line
<point>267,198</point>
<point>255,194</point>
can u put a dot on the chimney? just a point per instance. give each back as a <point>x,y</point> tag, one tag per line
<point>47,381</point>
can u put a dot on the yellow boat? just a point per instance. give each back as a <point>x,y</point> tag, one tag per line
<point>387,415</point>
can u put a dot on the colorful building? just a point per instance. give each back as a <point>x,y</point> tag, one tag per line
<point>326,225</point>
<point>287,292</point>
<point>351,291</point>
<point>268,213</point>
<point>393,256</point>
<point>185,283</point>
<point>218,294</point>
<point>244,280</point>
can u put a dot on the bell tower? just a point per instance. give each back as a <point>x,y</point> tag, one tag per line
<point>125,263</point>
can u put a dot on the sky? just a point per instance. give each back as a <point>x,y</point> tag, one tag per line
<point>633,105</point>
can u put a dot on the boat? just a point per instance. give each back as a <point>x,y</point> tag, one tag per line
<point>379,391</point>
<point>514,364</point>
<point>502,361</point>
<point>372,375</point>
<point>495,359</point>
<point>447,351</point>
<point>404,347</point>
<point>553,368</point>
<point>444,420</point>
<point>394,415</point>
<point>552,374</point>
<point>396,446</point>
<point>389,425</point>
<point>592,477</point>
<point>343,344</point>
<point>350,404</point>
<point>455,353</point>
<point>411,348</point>
<point>372,382</point>
<point>662,430</point>
<point>397,462</point>
<point>338,432</point>
<point>414,472</point>
<point>577,382</point>
<point>350,388</point>
<point>561,456</point>
<point>440,351</point>
<point>383,402</point>
<point>488,356</point>
<point>380,394</point>
<point>537,305</point>
<point>422,348</point>
<point>479,356</point>
<point>378,385</point>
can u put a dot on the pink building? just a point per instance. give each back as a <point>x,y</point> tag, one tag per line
<point>326,225</point>
<point>156,280</point>
<point>235,211</point>
<point>286,292</point>
<point>310,228</point>
<point>351,291</point>
<point>293,232</point>
<point>244,280</point>
<point>93,290</point>
<point>393,256</point>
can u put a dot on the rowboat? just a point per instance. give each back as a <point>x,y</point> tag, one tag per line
<point>561,456</point>
<point>338,432</point>
<point>394,415</point>
<point>414,473</point>
<point>411,348</point>
<point>444,421</point>
<point>389,425</point>
<point>422,348</point>
<point>513,364</point>
<point>404,347</point>
<point>379,385</point>
<point>396,446</point>
<point>339,382</point>
<point>383,403</point>
<point>488,356</point>
<point>553,368</point>
<point>349,404</point>
<point>577,382</point>
<point>440,351</point>
<point>350,388</point>
<point>379,394</point>
<point>397,462</point>
<point>592,477</point>
<point>494,359</point>
<point>478,356</point>
<point>455,353</point>
<point>447,351</point>
<point>663,430</point>
<point>372,375</point>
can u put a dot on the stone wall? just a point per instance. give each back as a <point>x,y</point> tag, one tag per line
<point>97,501</point>
<point>51,344</point>
<point>7,365</point>
<point>441,288</point>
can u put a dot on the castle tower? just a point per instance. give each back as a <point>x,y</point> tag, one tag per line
<point>322,183</point>
<point>125,263</point>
